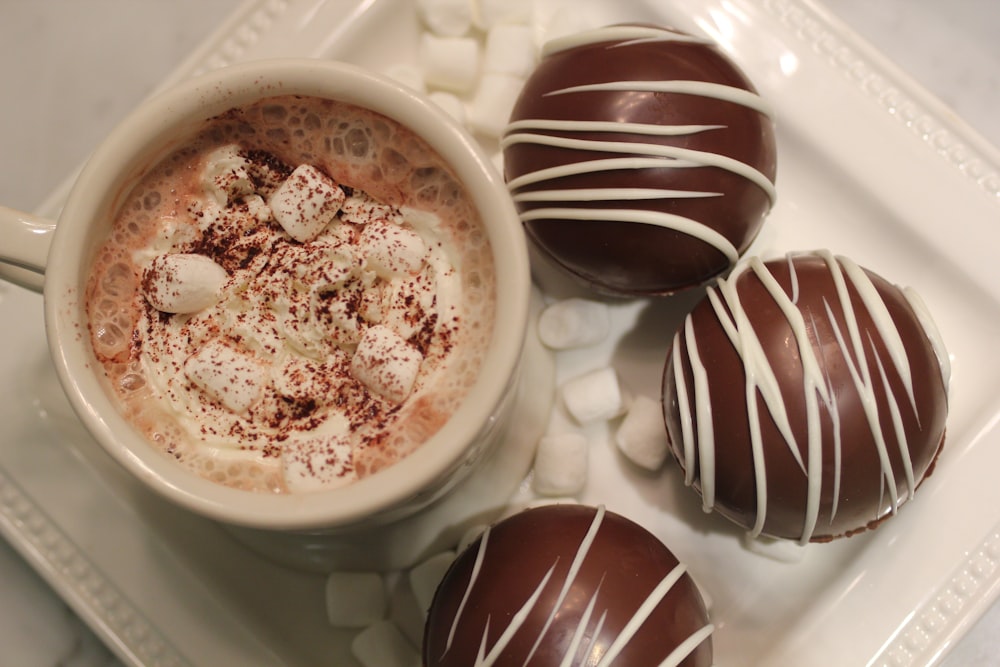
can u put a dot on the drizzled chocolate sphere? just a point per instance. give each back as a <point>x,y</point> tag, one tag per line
<point>805,398</point>
<point>641,159</point>
<point>567,585</point>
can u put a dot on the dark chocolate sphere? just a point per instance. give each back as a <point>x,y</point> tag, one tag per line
<point>567,580</point>
<point>805,398</point>
<point>641,159</point>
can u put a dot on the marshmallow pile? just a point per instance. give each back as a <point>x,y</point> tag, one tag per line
<point>474,55</point>
<point>592,398</point>
<point>304,205</point>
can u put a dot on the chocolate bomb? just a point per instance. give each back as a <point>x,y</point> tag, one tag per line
<point>567,585</point>
<point>806,397</point>
<point>641,159</point>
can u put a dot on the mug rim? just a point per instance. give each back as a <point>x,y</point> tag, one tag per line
<point>105,179</point>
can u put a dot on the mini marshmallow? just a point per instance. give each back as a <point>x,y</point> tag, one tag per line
<point>390,250</point>
<point>594,396</point>
<point>355,599</point>
<point>451,63</point>
<point>226,175</point>
<point>183,282</point>
<point>306,202</point>
<point>383,645</point>
<point>386,364</point>
<point>561,463</point>
<point>489,111</point>
<point>407,74</point>
<point>446,18</point>
<point>233,378</point>
<point>573,323</point>
<point>403,302</point>
<point>642,436</point>
<point>425,577</point>
<point>488,13</point>
<point>450,104</point>
<point>510,49</point>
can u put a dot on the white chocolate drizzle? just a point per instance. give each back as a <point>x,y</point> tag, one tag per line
<point>689,156</point>
<point>593,166</point>
<point>854,346</point>
<point>609,126</point>
<point>647,155</point>
<point>515,624</point>
<point>644,611</point>
<point>717,91</point>
<point>596,653</point>
<point>476,567</point>
<point>581,629</point>
<point>624,35</point>
<point>667,220</point>
<point>686,647</point>
<point>574,569</point>
<point>610,194</point>
<point>933,333</point>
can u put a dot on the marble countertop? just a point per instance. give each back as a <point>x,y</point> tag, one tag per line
<point>70,70</point>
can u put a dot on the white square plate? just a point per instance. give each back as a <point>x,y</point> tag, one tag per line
<point>870,166</point>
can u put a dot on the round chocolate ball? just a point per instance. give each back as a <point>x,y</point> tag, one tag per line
<point>641,159</point>
<point>567,585</point>
<point>805,397</point>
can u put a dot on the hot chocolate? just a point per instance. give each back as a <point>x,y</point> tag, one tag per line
<point>293,299</point>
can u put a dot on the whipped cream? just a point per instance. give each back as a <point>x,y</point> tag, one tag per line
<point>287,319</point>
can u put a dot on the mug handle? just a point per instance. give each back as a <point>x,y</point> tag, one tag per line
<point>24,248</point>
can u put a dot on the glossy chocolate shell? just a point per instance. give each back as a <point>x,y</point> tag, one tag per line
<point>567,585</point>
<point>806,397</point>
<point>641,159</point>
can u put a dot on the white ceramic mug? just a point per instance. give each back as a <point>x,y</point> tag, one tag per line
<point>56,258</point>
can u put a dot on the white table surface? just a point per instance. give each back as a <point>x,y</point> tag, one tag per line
<point>70,69</point>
